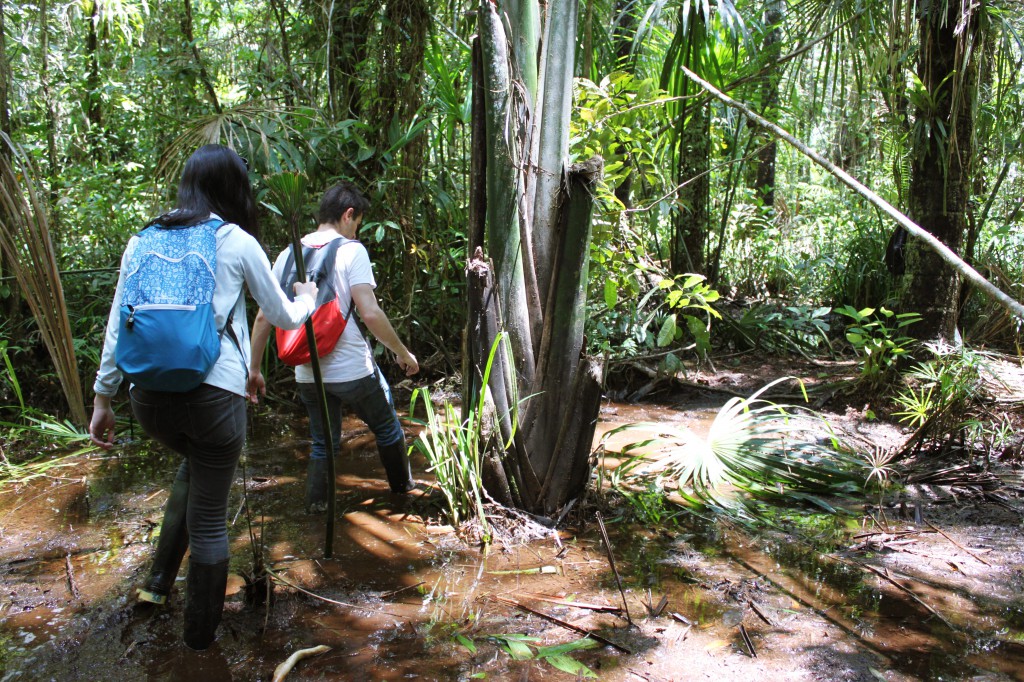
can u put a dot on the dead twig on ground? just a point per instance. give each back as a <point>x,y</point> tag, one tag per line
<point>562,623</point>
<point>600,608</point>
<point>906,590</point>
<point>957,544</point>
<point>72,584</point>
<point>280,578</point>
<point>756,610</point>
<point>746,640</point>
<point>611,562</point>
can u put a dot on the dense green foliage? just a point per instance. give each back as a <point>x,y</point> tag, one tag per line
<point>110,97</point>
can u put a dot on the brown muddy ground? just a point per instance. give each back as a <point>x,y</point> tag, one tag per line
<point>929,588</point>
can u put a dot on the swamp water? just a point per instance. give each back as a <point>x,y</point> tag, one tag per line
<point>404,599</point>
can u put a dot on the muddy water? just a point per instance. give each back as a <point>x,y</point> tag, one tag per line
<point>404,599</point>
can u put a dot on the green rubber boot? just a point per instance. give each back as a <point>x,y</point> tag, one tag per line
<point>204,602</point>
<point>170,547</point>
<point>395,459</point>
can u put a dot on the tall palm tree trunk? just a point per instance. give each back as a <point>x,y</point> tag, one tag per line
<point>941,168</point>
<point>528,273</point>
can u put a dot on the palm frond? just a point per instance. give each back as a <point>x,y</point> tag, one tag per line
<point>268,137</point>
<point>756,446</point>
<point>26,241</point>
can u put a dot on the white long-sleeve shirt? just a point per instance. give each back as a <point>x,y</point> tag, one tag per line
<point>239,259</point>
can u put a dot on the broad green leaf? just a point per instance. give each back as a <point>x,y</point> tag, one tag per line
<point>668,331</point>
<point>571,666</point>
<point>611,293</point>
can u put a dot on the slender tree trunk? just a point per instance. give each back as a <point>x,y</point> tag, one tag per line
<point>280,15</point>
<point>9,303</point>
<point>625,33</point>
<point>93,108</point>
<point>44,84</point>
<point>941,167</point>
<point>764,183</point>
<point>5,77</point>
<point>204,76</point>
<point>348,25</point>
<point>397,103</point>
<point>691,219</point>
<point>691,159</point>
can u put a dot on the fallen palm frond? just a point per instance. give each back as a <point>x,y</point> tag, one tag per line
<point>25,240</point>
<point>759,447</point>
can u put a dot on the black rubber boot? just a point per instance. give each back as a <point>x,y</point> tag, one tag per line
<point>316,486</point>
<point>395,459</point>
<point>170,547</point>
<point>204,602</point>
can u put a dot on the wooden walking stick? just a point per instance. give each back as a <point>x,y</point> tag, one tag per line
<point>289,191</point>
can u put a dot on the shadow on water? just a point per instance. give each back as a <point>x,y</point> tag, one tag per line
<point>405,599</point>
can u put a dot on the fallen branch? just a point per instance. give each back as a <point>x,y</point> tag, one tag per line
<point>957,544</point>
<point>600,608</point>
<point>558,621</point>
<point>747,642</point>
<point>755,609</point>
<point>611,562</point>
<point>282,670</point>
<point>906,590</point>
<point>957,263</point>
<point>280,578</point>
<point>72,584</point>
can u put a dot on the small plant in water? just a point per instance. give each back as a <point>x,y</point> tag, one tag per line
<point>876,336</point>
<point>455,450</point>
<point>525,648</point>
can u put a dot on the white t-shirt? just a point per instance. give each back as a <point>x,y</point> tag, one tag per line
<point>351,358</point>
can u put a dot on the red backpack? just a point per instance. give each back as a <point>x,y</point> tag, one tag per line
<point>328,323</point>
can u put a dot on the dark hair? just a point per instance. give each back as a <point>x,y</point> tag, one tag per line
<point>339,199</point>
<point>215,180</point>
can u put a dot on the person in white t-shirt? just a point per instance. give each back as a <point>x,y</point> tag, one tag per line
<point>351,377</point>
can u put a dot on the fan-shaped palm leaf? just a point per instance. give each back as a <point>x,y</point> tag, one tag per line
<point>752,444</point>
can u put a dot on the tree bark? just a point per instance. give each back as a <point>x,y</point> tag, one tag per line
<point>764,183</point>
<point>543,396</point>
<point>691,156</point>
<point>348,25</point>
<point>93,109</point>
<point>941,166</point>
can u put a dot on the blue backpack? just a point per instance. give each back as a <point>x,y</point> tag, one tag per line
<point>168,338</point>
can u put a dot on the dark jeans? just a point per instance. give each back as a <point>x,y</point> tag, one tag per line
<point>369,398</point>
<point>207,426</point>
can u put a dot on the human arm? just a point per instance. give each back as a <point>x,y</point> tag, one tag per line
<point>260,335</point>
<point>108,376</point>
<point>264,287</point>
<point>380,326</point>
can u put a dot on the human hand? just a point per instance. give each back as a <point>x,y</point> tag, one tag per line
<point>101,427</point>
<point>256,387</point>
<point>407,361</point>
<point>306,288</point>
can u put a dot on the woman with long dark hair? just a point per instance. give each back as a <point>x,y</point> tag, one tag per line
<point>206,425</point>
